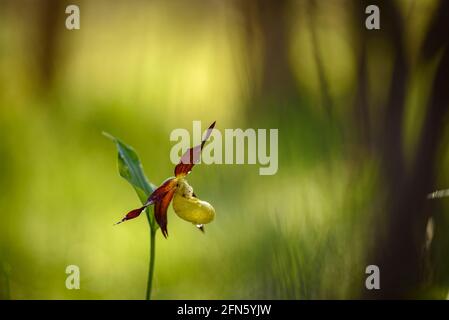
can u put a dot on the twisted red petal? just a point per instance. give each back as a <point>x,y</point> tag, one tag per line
<point>160,211</point>
<point>132,214</point>
<point>161,191</point>
<point>192,155</point>
<point>155,197</point>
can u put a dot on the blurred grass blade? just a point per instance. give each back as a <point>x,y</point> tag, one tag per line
<point>130,168</point>
<point>4,281</point>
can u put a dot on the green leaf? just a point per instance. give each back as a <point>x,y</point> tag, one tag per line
<point>130,168</point>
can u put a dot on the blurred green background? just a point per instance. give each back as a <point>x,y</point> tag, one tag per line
<point>352,106</point>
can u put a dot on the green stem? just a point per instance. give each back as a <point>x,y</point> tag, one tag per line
<point>152,257</point>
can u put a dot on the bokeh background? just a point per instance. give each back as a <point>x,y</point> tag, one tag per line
<point>363,138</point>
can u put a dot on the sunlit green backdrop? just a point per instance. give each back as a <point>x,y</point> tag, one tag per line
<point>141,69</point>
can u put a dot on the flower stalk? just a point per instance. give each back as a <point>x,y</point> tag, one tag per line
<point>152,256</point>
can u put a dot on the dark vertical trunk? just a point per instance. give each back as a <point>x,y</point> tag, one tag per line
<point>399,250</point>
<point>51,21</point>
<point>269,19</point>
<point>361,115</point>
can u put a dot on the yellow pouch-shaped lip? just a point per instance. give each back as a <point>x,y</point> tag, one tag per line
<point>190,208</point>
<point>193,209</point>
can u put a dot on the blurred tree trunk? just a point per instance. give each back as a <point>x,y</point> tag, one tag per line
<point>42,35</point>
<point>51,23</point>
<point>399,246</point>
<point>269,20</point>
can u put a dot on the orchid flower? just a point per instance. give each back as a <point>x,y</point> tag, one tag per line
<point>185,203</point>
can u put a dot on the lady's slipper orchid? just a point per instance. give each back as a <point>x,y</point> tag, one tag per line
<point>185,203</point>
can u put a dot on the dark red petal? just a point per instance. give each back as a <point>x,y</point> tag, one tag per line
<point>192,155</point>
<point>168,186</point>
<point>161,191</point>
<point>132,214</point>
<point>160,211</point>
